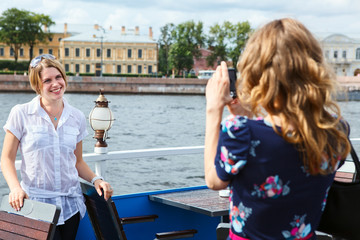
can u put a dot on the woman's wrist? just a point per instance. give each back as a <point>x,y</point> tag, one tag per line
<point>96,178</point>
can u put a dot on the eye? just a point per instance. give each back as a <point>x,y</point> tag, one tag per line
<point>47,80</point>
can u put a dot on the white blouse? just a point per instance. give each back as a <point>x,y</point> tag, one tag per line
<point>48,172</point>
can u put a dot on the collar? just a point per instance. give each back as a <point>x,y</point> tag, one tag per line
<point>35,108</point>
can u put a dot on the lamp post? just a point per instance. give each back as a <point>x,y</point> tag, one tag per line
<point>101,49</point>
<point>101,120</point>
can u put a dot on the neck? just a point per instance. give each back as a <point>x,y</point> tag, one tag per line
<point>273,119</point>
<point>53,109</point>
<point>51,104</point>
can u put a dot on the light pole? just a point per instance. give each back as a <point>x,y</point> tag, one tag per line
<point>101,48</point>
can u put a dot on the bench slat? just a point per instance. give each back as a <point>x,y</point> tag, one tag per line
<point>27,222</point>
<point>18,229</point>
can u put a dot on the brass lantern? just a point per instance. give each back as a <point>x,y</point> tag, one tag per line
<point>101,119</point>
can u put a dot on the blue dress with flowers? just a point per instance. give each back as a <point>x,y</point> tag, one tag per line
<point>271,194</point>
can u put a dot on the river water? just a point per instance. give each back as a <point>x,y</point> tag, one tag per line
<point>150,121</point>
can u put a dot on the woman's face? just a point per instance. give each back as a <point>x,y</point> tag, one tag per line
<point>53,84</point>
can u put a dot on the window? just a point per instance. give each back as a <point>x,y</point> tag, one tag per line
<point>77,68</point>
<point>108,53</point>
<point>87,66</point>
<point>31,52</point>
<point>1,51</point>
<point>98,52</point>
<point>327,54</point>
<point>129,69</point>
<point>129,53</point>
<point>140,53</point>
<point>67,68</point>
<point>77,52</point>
<point>21,52</point>
<point>150,69</point>
<point>41,51</point>
<point>118,68</point>
<point>12,52</point>
<point>50,51</point>
<point>139,69</point>
<point>67,52</point>
<point>358,53</point>
<point>88,52</point>
<point>335,54</point>
<point>59,39</point>
<point>50,39</point>
<point>344,54</point>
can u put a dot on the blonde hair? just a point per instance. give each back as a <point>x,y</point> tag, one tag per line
<point>35,73</point>
<point>283,72</point>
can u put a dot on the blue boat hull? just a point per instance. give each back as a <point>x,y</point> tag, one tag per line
<point>170,218</point>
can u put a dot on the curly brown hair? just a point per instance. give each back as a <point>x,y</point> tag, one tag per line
<point>283,72</point>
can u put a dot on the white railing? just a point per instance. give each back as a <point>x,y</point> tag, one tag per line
<point>100,159</point>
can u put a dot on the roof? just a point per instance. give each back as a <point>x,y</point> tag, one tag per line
<point>110,36</point>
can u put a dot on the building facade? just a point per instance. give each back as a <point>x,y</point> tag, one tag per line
<point>97,50</point>
<point>110,51</point>
<point>342,53</point>
<point>51,47</point>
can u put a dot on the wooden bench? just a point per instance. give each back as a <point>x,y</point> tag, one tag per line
<point>35,220</point>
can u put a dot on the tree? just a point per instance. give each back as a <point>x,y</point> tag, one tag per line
<point>227,41</point>
<point>12,26</point>
<point>19,27</point>
<point>35,33</point>
<point>165,42</point>
<point>180,57</point>
<point>239,37</point>
<point>188,39</point>
<point>217,42</point>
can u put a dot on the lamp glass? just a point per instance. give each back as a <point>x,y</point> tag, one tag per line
<point>101,118</point>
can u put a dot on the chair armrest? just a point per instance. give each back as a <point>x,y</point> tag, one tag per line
<point>138,219</point>
<point>175,234</point>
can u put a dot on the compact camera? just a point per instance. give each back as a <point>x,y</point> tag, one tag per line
<point>232,76</point>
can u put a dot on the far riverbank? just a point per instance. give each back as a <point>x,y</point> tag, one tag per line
<point>350,86</point>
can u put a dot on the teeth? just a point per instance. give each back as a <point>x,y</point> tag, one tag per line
<point>56,90</point>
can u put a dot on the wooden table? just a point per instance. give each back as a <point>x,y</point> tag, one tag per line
<point>205,201</point>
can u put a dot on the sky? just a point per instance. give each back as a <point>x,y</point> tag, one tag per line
<point>322,17</point>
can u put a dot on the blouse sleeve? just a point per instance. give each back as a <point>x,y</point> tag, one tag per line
<point>14,123</point>
<point>233,147</point>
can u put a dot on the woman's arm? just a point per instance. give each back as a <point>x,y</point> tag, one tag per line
<point>8,157</point>
<point>217,96</point>
<point>86,173</point>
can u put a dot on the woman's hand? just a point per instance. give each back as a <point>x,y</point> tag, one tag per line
<point>105,186</point>
<point>236,108</point>
<point>218,89</point>
<point>16,198</point>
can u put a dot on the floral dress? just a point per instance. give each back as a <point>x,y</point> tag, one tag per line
<point>271,194</point>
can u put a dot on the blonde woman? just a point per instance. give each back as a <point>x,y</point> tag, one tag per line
<point>48,132</point>
<point>279,166</point>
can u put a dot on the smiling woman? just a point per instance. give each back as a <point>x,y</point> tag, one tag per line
<point>49,132</point>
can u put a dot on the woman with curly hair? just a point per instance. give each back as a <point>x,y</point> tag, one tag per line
<point>280,165</point>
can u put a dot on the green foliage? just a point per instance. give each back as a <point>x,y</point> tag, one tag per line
<point>165,42</point>
<point>180,44</point>
<point>12,72</point>
<point>21,27</point>
<point>13,66</point>
<point>227,41</point>
<point>188,38</point>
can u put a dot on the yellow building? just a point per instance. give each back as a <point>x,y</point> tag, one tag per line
<point>51,47</point>
<point>117,51</point>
